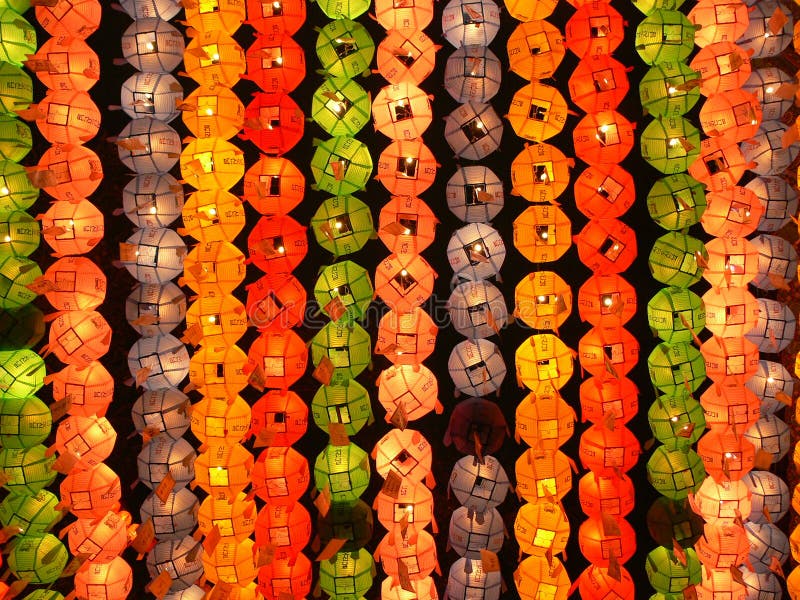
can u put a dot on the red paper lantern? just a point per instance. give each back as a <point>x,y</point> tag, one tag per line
<point>603,396</point>
<point>730,361</point>
<point>598,83</point>
<point>78,284</point>
<point>404,282</point>
<point>603,137</point>
<point>608,351</point>
<point>730,312</point>
<point>273,122</point>
<point>597,583</point>
<point>722,66</point>
<point>286,528</point>
<point>735,114</point>
<point>406,225</point>
<point>272,17</point>
<point>718,20</point>
<point>276,302</point>
<point>406,55</point>
<point>69,64</point>
<point>79,337</point>
<point>726,455</point>
<point>68,117</point>
<point>720,164</point>
<point>606,495</point>
<point>413,504</point>
<point>279,418</point>
<point>608,452</point>
<point>406,338</point>
<point>734,212</point>
<point>102,539</point>
<point>606,246</point>
<point>722,547</point>
<point>729,407</point>
<point>394,15</point>
<point>276,359</point>
<point>68,172</point>
<point>89,389</point>
<point>91,494</point>
<point>599,546</point>
<point>406,168</point>
<point>274,186</point>
<point>596,28</point>
<point>70,18</point>
<point>282,579</point>
<point>72,228</point>
<point>606,300</point>
<point>280,476</point>
<point>275,63</point>
<point>604,191</point>
<point>104,581</point>
<point>277,245</point>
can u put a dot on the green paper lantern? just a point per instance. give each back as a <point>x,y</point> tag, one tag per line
<point>341,165</point>
<point>344,470</point>
<point>342,225</point>
<point>343,9</point>
<point>353,523</point>
<point>341,106</point>
<point>33,514</point>
<point>345,49</point>
<point>21,373</point>
<point>348,282</point>
<point>669,575</point>
<point>677,421</point>
<point>675,473</point>
<point>664,91</point>
<point>16,89</point>
<point>38,558</point>
<point>15,274</point>
<point>664,36</point>
<point>673,311</point>
<point>674,259</point>
<point>348,575</point>
<point>21,328</point>
<point>670,144</point>
<point>28,469</point>
<point>676,201</point>
<point>19,233</point>
<point>348,404</point>
<point>676,367</point>
<point>347,346</point>
<point>16,140</point>
<point>16,189</point>
<point>17,37</point>
<point>670,521</point>
<point>24,422</point>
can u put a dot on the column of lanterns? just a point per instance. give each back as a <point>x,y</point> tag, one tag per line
<point>342,165</point>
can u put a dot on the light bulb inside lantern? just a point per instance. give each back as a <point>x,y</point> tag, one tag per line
<point>674,419</point>
<point>770,379</point>
<point>212,211</point>
<point>209,111</point>
<point>4,191</point>
<point>7,238</point>
<point>150,46</point>
<point>403,272</point>
<point>477,247</point>
<point>338,225</point>
<point>671,90</point>
<point>153,210</point>
<point>769,89</point>
<point>212,319</point>
<point>409,159</point>
<point>542,298</point>
<point>281,249</point>
<point>407,231</point>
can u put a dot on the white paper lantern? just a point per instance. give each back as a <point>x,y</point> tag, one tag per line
<point>770,379</point>
<point>153,45</point>
<point>473,130</point>
<point>759,37</point>
<point>152,200</point>
<point>173,519</point>
<point>470,22</point>
<point>155,95</point>
<point>766,540</point>
<point>476,367</point>
<point>474,194</point>
<point>766,149</point>
<point>424,589</point>
<point>174,557</point>
<point>479,486</point>
<point>164,455</point>
<point>720,503</point>
<point>162,410</point>
<point>143,9</point>
<point>777,258</point>
<point>765,83</point>
<point>770,434</point>
<point>775,327</point>
<point>158,362</point>
<point>152,309</point>
<point>472,73</point>
<point>761,586</point>
<point>476,251</point>
<point>470,532</point>
<point>768,494</point>
<point>148,145</point>
<point>779,200</point>
<point>477,309</point>
<point>154,255</point>
<point>468,581</point>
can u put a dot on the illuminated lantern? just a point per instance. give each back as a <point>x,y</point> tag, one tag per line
<point>606,246</point>
<point>729,361</point>
<point>166,455</point>
<point>540,173</point>
<point>226,15</point>
<point>775,327</point>
<point>403,283</point>
<point>604,191</point>
<point>15,275</point>
<point>273,122</point>
<point>477,309</point>
<point>730,312</point>
<point>526,13</point>
<point>90,439</point>
<point>722,66</point>
<point>669,519</point>
<point>675,366</point>
<point>76,18</point>
<point>770,380</point>
<point>67,172</point>
<point>280,476</point>
<point>543,363</point>
<point>288,528</point>
<point>278,417</point>
<point>105,581</point>
<point>21,373</point>
<point>596,583</point>
<point>676,314</point>
<point>406,168</point>
<point>292,578</point>
<point>732,213</point>
<point>341,165</point>
<point>103,541</point>
<point>535,49</point>
<point>541,527</point>
<point>275,302</point>
<point>345,48</point>
<point>152,309</point>
<point>476,367</point>
<point>344,471</point>
<point>465,578</point>
<point>476,426</point>
<point>151,256</point>
<point>676,201</point>
<point>91,494</point>
<point>26,422</point>
<point>598,83</point>
<point>273,186</point>
<point>726,455</point>
<point>603,137</point>
<point>16,88</point>
<point>405,452</point>
<point>352,523</point>
<point>15,138</point>
<point>161,411</point>
<point>778,199</point>
<point>39,558</point>
<point>608,351</point>
<point>424,589</point>
<point>28,469</point>
<point>406,224</point>
<point>347,576</point>
<point>479,486</point>
<point>670,575</point>
<point>770,434</point>
<point>766,154</point>
<point>722,504</point>
<point>545,421</point>
<point>212,216</point>
<point>67,117</point>
<point>669,89</point>
<point>275,63</point>
<point>19,233</point>
<point>414,504</point>
<point>342,225</point>
<point>72,228</point>
<point>89,389</point>
<point>596,28</point>
<point>767,543</point>
<point>219,319</point>
<point>32,514</point>
<point>406,54</point>
<point>152,200</point>
<point>476,251</point>
<point>764,83</point>
<point>609,495</point>
<point>212,111</point>
<point>675,473</point>
<point>670,145</point>
<point>177,558</point>
<point>537,112</point>
<point>218,371</point>
<point>731,262</point>
<point>600,548</point>
<point>214,57</point>
<point>220,421</point>
<point>766,583</point>
<point>350,284</point>
<point>474,194</point>
<point>150,94</point>
<point>605,300</point>
<point>276,16</point>
<point>405,16</point>
<point>214,268</point>
<point>417,551</point>
<point>472,73</point>
<point>276,245</point>
<point>542,300</point>
<point>21,328</point>
<point>146,145</point>
<point>276,359</point>
<point>762,37</point>
<point>16,189</point>
<point>769,495</point>
<point>601,396</point>
<point>735,114</point>
<point>401,111</point>
<point>173,519</point>
<point>17,37</point>
<point>735,407</point>
<point>347,404</point>
<point>470,23</point>
<point>718,21</point>
<point>152,45</point>
<point>231,562</point>
<point>212,163</point>
<point>543,474</point>
<point>664,36</point>
<point>539,575</point>
<point>340,106</point>
<point>346,346</point>
<point>223,471</point>
<point>607,452</point>
<point>473,130</point>
<point>675,259</point>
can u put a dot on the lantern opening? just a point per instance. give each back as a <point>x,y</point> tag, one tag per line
<point>208,6</point>
<point>403,281</point>
<point>474,129</point>
<point>344,48</point>
<point>538,112</point>
<point>407,167</point>
<point>599,26</point>
<point>146,42</point>
<point>612,248</point>
<point>472,13</point>
<point>538,43</point>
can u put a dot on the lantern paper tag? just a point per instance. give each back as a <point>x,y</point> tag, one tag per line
<point>689,593</point>
<point>735,60</point>
<point>777,21</point>
<point>142,375</point>
<point>4,478</point>
<point>337,166</point>
<point>790,136</point>
<point>160,586</point>
<point>193,335</point>
<point>491,321</point>
<point>685,431</point>
<point>16,588</point>
<point>51,555</point>
<point>165,487</point>
<point>392,484</point>
<point>679,552</point>
<point>41,285</point>
<point>6,533</point>
<point>338,434</point>
<point>40,178</point>
<point>65,463</point>
<point>786,91</point>
<point>192,555</point>
<point>60,408</point>
<point>323,501</point>
<point>736,575</point>
<point>685,144</point>
<point>331,548</point>
<point>394,228</point>
<point>403,576</point>
<point>72,566</point>
<point>37,64</point>
<point>775,567</point>
<point>145,537</point>
<point>399,417</point>
<point>489,561</point>
<point>264,438</point>
<point>326,230</point>
<point>258,378</point>
<point>335,308</point>
<point>266,554</point>
<point>128,252</point>
<point>477,257</point>
<point>688,85</point>
<point>324,371</point>
<point>610,525</point>
<point>614,570</point>
<point>783,398</point>
<point>212,539</point>
<point>221,591</point>
<point>763,460</point>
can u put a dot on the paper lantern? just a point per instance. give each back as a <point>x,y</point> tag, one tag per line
<point>541,527</point>
<point>105,580</point>
<point>149,94</point>
<point>539,575</point>
<point>767,544</point>
<point>146,145</point>
<point>722,547</point>
<point>161,411</point>
<point>476,251</point>
<point>669,89</point>
<point>16,88</point>
<point>21,328</point>
<point>21,373</point>
<point>345,48</point>
<point>28,469</point>
<point>404,282</point>
<point>231,562</point>
<point>80,18</point>
<point>17,37</point>
<point>414,504</point>
<point>406,54</point>
<point>722,66</point>
<point>606,495</point>
<point>406,168</point>
<point>223,471</point>
<point>26,422</point>
<point>596,28</point>
<point>477,426</point>
<point>343,471</point>
<point>545,421</point>
<point>596,582</point>
<point>152,256</point>
<point>286,577</point>
<point>72,228</point>
<point>604,191</point>
<point>15,138</point>
<point>675,259</point>
<point>603,396</point>
<point>664,36</point>
<point>718,21</point>
<point>342,225</point>
<point>280,476</point>
<point>16,189</point>
<point>730,312</point>
<point>732,213</point>
<point>15,275</point>
<point>726,455</point>
<point>416,551</point>
<point>152,200</point>
<point>348,576</point>
<point>467,576</point>
<point>770,434</point>
<point>273,186</point>
<point>535,49</point>
<point>212,111</point>
<point>675,473</point>
<point>275,302</point>
<point>729,361</point>
<point>176,557</point>
<point>401,111</point>
<point>670,145</point>
<point>217,320</point>
<point>479,485</point>
<point>675,366</point>
<point>676,314</point>
<point>669,520</point>
<point>67,117</point>
<point>91,494</point>
<point>778,200</point>
<point>214,268</point>
<point>413,386</point>
<point>470,23</point>
<point>39,558</point>
<point>474,194</point>
<point>213,215</point>
<point>406,224</point>
<point>218,371</point>
<point>543,474</point>
<point>273,122</point>
<point>19,233</point>
<point>89,389</point>
<point>764,83</point>
<point>476,367</point>
<point>607,452</point>
<point>598,83</point>
<point>719,504</point>
<point>405,452</point>
<point>352,523</point>
<point>606,246</point>
<point>152,309</point>
<point>670,575</point>
<point>775,328</point>
<point>277,245</point>
<point>770,380</point>
<point>103,541</point>
<point>608,350</point>
<point>765,153</point>
<point>158,361</point>
<point>90,439</point>
<point>212,163</point>
<point>166,455</point>
<point>600,548</point>
<point>152,45</point>
<point>226,15</point>
<point>537,112</point>
<point>735,114</point>
<point>280,418</point>
<point>606,300</point>
<point>762,583</point>
<point>762,36</point>
<point>275,62</point>
<point>340,106</point>
<point>347,347</point>
<point>731,262</point>
<point>32,514</point>
<point>523,12</point>
<point>735,407</point>
<point>543,300</point>
<point>277,16</point>
<point>220,421</point>
<point>348,404</point>
<point>540,173</point>
<point>468,306</point>
<point>543,363</point>
<point>472,74</point>
<point>769,495</point>
<point>214,57</point>
<point>603,137</point>
<point>288,528</point>
<point>341,165</point>
<point>473,130</point>
<point>173,519</point>
<point>676,201</point>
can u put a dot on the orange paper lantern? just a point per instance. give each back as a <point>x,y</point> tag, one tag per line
<point>406,225</point>
<point>274,186</point>
<point>406,55</point>
<point>406,168</point>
